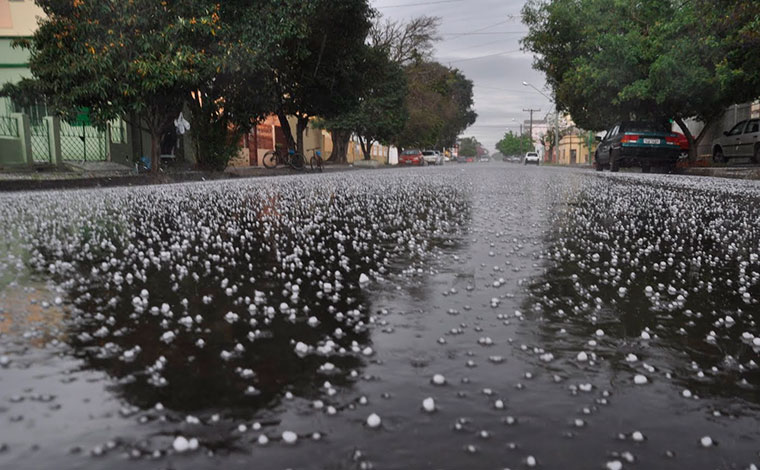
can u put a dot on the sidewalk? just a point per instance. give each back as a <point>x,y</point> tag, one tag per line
<point>109,176</point>
<point>734,172</point>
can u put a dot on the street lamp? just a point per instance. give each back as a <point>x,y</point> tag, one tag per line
<point>556,118</point>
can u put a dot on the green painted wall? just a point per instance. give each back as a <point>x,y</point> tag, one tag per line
<point>11,55</point>
<point>12,62</point>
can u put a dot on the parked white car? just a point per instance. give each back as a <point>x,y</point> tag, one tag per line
<point>743,140</point>
<point>531,157</point>
<point>432,157</point>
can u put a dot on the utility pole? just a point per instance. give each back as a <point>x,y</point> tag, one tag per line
<point>521,139</point>
<point>531,111</point>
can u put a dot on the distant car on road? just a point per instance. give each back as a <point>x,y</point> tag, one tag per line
<point>638,143</point>
<point>485,158</point>
<point>411,157</point>
<point>532,158</point>
<point>432,157</point>
<point>463,159</point>
<point>743,140</point>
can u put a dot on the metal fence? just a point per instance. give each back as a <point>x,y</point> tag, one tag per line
<point>118,131</point>
<point>83,143</point>
<point>40,137</point>
<point>8,126</point>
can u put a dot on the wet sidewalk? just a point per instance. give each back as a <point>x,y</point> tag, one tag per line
<point>87,177</point>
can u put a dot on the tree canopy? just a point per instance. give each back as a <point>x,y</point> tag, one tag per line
<point>380,114</point>
<point>514,144</point>
<point>440,104</point>
<point>468,147</point>
<point>608,60</point>
<point>123,58</point>
<point>405,43</point>
<point>232,65</point>
<point>320,73</point>
<point>405,98</point>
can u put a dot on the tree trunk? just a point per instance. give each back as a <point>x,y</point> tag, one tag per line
<point>366,145</point>
<point>690,138</point>
<point>340,146</point>
<point>303,122</point>
<point>285,125</point>
<point>155,150</point>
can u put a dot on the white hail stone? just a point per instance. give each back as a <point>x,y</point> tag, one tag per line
<point>614,465</point>
<point>181,444</point>
<point>289,437</point>
<point>428,404</point>
<point>373,421</point>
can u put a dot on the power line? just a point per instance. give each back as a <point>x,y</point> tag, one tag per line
<point>486,33</point>
<point>512,90</point>
<point>476,45</point>
<point>403,5</point>
<point>490,26</point>
<point>484,56</point>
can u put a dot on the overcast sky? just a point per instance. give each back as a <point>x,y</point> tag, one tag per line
<point>481,38</point>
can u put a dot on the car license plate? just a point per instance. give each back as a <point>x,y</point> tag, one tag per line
<point>652,141</point>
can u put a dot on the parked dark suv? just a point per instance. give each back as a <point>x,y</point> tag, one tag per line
<point>638,143</point>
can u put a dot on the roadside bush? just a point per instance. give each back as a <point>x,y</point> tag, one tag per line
<point>216,141</point>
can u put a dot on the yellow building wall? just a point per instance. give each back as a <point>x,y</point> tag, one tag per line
<point>378,153</point>
<point>579,144</point>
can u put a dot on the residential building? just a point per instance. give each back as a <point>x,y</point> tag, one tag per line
<point>32,136</point>
<point>18,19</point>
<point>576,148</point>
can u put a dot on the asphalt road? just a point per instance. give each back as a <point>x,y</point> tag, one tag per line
<point>480,316</point>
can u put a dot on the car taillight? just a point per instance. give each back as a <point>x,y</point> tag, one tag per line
<point>672,140</point>
<point>630,139</point>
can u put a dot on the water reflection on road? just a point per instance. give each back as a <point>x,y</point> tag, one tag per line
<point>487,316</point>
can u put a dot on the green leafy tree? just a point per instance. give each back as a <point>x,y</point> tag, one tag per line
<point>380,114</point>
<point>240,92</point>
<point>439,103</point>
<point>468,147</point>
<point>514,144</point>
<point>401,43</point>
<point>123,58</point>
<point>608,60</point>
<point>317,72</point>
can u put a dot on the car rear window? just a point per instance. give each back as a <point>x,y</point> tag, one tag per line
<point>428,153</point>
<point>532,154</point>
<point>644,126</point>
<point>410,152</point>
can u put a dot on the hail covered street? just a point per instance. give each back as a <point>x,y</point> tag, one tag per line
<point>478,316</point>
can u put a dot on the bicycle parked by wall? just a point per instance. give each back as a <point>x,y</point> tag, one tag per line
<point>281,157</point>
<point>315,162</point>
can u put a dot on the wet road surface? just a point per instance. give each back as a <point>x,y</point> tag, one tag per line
<point>482,316</point>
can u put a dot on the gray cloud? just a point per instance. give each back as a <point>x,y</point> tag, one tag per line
<point>481,38</point>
